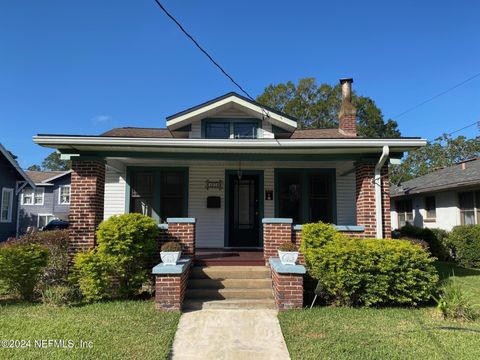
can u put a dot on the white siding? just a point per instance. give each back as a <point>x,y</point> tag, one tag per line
<point>211,222</point>
<point>447,211</point>
<point>267,132</point>
<point>114,192</point>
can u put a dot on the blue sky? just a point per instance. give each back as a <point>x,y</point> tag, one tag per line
<point>83,67</point>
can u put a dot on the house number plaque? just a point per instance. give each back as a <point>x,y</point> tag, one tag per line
<point>268,194</point>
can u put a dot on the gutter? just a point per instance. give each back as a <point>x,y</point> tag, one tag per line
<point>378,190</point>
<point>56,140</point>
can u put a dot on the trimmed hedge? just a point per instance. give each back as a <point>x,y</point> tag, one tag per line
<point>56,242</point>
<point>21,267</point>
<point>118,266</point>
<point>314,237</point>
<point>465,241</point>
<point>435,238</point>
<point>356,272</point>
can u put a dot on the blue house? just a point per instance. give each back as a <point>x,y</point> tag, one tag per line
<point>48,200</point>
<point>12,180</point>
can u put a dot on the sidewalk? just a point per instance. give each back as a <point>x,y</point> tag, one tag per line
<point>229,335</point>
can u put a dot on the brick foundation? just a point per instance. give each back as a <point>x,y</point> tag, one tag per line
<point>182,231</point>
<point>86,204</point>
<point>170,290</point>
<point>287,290</point>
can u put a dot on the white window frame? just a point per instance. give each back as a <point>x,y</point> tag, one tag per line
<point>475,209</point>
<point>60,194</point>
<point>10,205</point>
<point>38,219</point>
<point>34,194</point>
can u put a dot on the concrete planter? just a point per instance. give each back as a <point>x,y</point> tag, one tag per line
<point>288,257</point>
<point>170,257</point>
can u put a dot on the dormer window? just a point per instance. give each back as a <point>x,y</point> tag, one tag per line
<point>231,129</point>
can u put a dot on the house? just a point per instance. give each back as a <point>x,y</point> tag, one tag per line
<point>12,180</point>
<point>231,179</point>
<point>441,199</point>
<point>50,199</point>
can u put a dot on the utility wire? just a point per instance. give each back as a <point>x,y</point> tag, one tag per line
<point>436,96</point>
<point>466,127</point>
<point>203,50</point>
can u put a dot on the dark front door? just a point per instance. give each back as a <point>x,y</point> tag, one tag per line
<point>243,212</point>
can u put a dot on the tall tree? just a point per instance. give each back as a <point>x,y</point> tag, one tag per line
<point>53,163</point>
<point>443,151</point>
<point>34,168</point>
<point>317,106</point>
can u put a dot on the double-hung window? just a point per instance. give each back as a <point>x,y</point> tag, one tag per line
<point>404,212</point>
<point>469,204</point>
<point>306,195</point>
<point>33,197</point>
<point>158,193</point>
<point>6,205</point>
<point>44,219</point>
<point>64,195</point>
<point>430,208</point>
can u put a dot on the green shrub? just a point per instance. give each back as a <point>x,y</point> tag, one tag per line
<point>455,304</point>
<point>435,238</point>
<point>314,237</point>
<point>61,295</point>
<point>21,267</point>
<point>118,266</point>
<point>374,272</point>
<point>56,242</point>
<point>465,241</point>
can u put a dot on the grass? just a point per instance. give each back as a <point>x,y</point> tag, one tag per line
<point>388,333</point>
<point>117,330</point>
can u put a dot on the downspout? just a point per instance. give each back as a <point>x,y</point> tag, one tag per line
<point>378,190</point>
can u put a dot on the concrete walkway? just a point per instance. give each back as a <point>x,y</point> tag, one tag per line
<point>229,334</point>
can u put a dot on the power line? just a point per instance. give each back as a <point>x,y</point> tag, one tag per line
<point>466,127</point>
<point>436,96</point>
<point>203,50</point>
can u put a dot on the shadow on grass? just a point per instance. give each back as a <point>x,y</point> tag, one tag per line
<point>447,269</point>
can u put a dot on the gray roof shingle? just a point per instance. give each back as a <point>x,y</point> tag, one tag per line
<point>466,173</point>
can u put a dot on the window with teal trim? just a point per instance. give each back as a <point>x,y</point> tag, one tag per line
<point>245,130</point>
<point>142,192</point>
<point>159,193</point>
<point>217,130</point>
<point>306,196</point>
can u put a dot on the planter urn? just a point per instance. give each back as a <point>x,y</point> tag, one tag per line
<point>170,257</point>
<point>288,257</point>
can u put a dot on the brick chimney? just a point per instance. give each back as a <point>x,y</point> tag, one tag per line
<point>348,113</point>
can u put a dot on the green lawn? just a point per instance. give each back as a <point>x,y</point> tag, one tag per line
<point>392,333</point>
<point>118,330</point>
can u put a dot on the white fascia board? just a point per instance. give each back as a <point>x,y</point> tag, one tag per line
<point>57,176</point>
<point>72,142</point>
<point>16,166</point>
<point>205,110</point>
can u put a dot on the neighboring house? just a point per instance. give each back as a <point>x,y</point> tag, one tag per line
<point>12,180</point>
<point>441,199</point>
<point>229,164</point>
<point>50,199</point>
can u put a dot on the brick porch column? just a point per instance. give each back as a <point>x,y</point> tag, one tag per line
<point>182,230</point>
<point>86,203</point>
<point>365,199</point>
<point>171,284</point>
<point>287,282</point>
<point>275,232</point>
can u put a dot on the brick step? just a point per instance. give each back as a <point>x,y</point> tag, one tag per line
<point>230,272</point>
<point>230,283</point>
<point>191,304</point>
<point>228,294</point>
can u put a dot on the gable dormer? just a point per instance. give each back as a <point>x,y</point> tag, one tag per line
<point>230,116</point>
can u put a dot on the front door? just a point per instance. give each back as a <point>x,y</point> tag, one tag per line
<point>243,211</point>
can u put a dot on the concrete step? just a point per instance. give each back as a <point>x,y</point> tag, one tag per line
<point>230,283</point>
<point>191,304</point>
<point>230,272</point>
<point>229,294</point>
